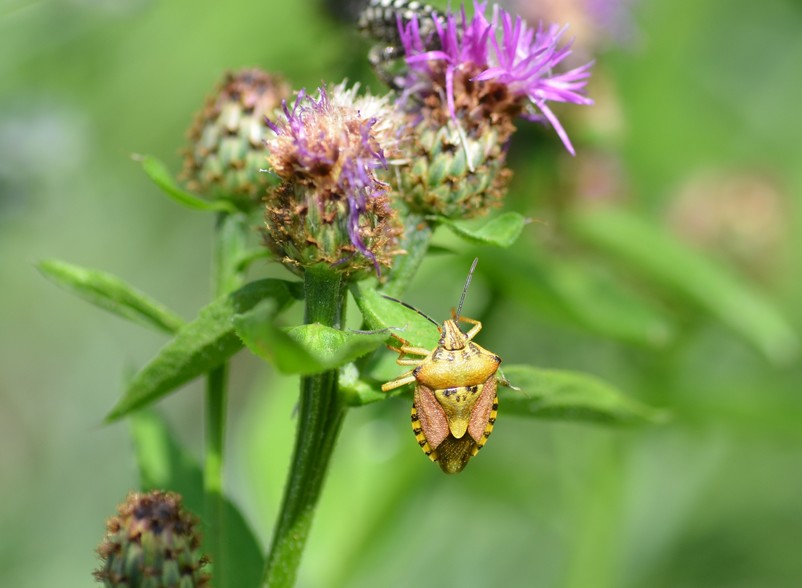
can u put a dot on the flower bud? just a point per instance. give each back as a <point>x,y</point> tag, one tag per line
<point>226,152</point>
<point>330,207</point>
<point>152,542</point>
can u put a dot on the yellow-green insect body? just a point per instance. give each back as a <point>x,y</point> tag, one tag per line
<point>455,400</point>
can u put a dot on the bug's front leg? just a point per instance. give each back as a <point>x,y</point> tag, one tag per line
<point>404,348</point>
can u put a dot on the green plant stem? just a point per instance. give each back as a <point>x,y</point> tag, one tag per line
<point>417,235</point>
<point>320,416</point>
<point>229,240</point>
<point>216,395</point>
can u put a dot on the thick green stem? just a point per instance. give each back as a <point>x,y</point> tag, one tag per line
<point>229,239</point>
<point>320,416</point>
<point>417,235</point>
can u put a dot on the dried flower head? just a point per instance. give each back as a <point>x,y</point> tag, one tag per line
<point>226,152</point>
<point>330,207</point>
<point>152,542</point>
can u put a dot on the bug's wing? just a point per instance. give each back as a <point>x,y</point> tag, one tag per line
<point>431,415</point>
<point>483,414</point>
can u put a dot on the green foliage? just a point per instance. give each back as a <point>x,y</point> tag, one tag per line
<point>656,256</point>
<point>305,349</point>
<point>563,395</point>
<point>382,313</point>
<point>112,294</point>
<point>581,293</point>
<point>500,231</point>
<point>200,345</point>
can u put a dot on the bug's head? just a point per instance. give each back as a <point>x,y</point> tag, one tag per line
<point>451,336</point>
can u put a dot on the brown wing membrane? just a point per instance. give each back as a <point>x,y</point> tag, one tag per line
<point>431,416</point>
<point>482,409</point>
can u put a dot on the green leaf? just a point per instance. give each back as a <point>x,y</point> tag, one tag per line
<point>500,231</point>
<point>160,175</point>
<point>384,314</point>
<point>165,465</point>
<point>564,395</point>
<point>307,349</point>
<point>112,294</point>
<point>332,347</point>
<point>358,391</point>
<point>659,257</point>
<point>200,345</point>
<point>581,293</point>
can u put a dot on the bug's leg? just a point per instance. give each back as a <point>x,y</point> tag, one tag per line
<point>407,378</point>
<point>404,348</point>
<point>477,326</point>
<point>409,361</point>
<point>401,344</point>
<point>502,379</point>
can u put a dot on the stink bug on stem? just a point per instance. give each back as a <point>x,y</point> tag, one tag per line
<point>455,400</point>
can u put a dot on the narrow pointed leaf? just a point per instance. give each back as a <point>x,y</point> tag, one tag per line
<point>564,395</point>
<point>307,349</point>
<point>160,175</point>
<point>384,314</point>
<point>500,231</point>
<point>660,258</point>
<point>112,294</point>
<point>165,465</point>
<point>200,345</point>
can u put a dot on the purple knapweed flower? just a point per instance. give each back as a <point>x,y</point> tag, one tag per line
<point>503,50</point>
<point>330,207</point>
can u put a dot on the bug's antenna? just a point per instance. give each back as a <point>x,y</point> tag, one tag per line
<point>410,307</point>
<point>465,289</point>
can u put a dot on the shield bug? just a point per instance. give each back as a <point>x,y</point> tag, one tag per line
<point>380,21</point>
<point>455,399</point>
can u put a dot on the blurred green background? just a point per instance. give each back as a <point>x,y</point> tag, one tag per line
<point>702,96</point>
